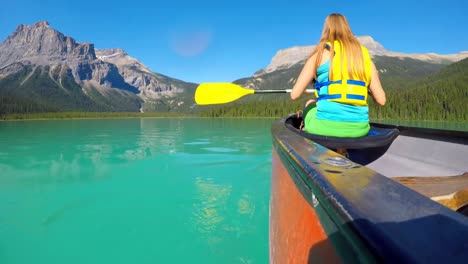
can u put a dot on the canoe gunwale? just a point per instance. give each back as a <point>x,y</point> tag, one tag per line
<point>453,136</point>
<point>395,225</point>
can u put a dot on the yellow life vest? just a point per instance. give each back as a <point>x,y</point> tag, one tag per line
<point>340,88</point>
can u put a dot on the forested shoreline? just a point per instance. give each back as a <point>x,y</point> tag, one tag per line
<point>416,104</point>
<point>439,97</point>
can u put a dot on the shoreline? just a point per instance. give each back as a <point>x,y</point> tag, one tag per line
<point>105,115</point>
<point>123,115</point>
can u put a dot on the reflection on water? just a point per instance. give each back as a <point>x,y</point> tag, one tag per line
<point>212,199</point>
<point>245,205</point>
<point>123,190</point>
<point>84,148</point>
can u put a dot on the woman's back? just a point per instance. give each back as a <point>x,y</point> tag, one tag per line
<point>332,118</point>
<point>343,72</point>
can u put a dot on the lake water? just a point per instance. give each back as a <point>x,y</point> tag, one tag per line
<point>150,190</point>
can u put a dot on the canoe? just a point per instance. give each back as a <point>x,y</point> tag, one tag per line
<point>398,195</point>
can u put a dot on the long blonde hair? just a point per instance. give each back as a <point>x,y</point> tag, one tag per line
<point>336,27</point>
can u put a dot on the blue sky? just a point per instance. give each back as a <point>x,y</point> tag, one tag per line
<point>211,41</point>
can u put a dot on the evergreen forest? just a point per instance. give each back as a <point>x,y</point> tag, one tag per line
<point>440,96</point>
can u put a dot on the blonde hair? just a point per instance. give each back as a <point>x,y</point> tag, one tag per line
<point>336,27</point>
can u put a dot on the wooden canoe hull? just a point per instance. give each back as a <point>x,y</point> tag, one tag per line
<point>296,232</point>
<point>326,208</point>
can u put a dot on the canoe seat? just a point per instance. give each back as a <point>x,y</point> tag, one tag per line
<point>377,137</point>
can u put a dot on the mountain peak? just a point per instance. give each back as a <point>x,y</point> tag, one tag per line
<point>120,58</point>
<point>41,44</point>
<point>373,46</point>
<point>112,52</point>
<point>366,39</point>
<point>41,24</point>
<point>24,27</point>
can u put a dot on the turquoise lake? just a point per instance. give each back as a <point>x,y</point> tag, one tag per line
<point>152,190</point>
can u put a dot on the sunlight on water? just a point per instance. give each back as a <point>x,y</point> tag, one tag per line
<point>135,191</point>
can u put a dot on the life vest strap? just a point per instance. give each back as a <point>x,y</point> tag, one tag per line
<point>330,96</point>
<point>338,96</point>
<point>319,85</point>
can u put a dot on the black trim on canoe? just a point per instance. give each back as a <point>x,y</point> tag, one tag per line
<point>395,223</point>
<point>367,149</point>
<point>377,137</point>
<point>380,135</point>
<point>453,136</point>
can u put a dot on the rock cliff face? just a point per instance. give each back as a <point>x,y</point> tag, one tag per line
<point>150,84</point>
<point>109,72</point>
<point>40,44</point>
<point>42,69</point>
<point>286,58</point>
<point>396,69</point>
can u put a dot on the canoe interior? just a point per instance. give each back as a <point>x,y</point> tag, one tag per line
<point>423,153</point>
<point>430,161</point>
<point>450,191</point>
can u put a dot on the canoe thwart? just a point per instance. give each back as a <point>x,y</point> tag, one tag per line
<point>450,191</point>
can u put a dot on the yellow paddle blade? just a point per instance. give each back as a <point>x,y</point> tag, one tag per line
<point>219,93</point>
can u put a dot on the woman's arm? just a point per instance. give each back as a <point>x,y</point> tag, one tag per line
<point>304,78</point>
<point>375,87</point>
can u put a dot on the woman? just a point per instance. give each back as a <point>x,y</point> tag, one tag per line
<point>343,74</point>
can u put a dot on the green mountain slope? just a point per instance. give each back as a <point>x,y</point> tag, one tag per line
<point>398,73</point>
<point>395,73</point>
<point>39,89</point>
<point>441,96</point>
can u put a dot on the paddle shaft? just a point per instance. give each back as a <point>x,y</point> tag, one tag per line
<point>281,91</point>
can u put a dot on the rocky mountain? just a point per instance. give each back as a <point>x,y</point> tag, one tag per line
<point>288,57</point>
<point>42,70</point>
<point>37,61</point>
<point>396,69</point>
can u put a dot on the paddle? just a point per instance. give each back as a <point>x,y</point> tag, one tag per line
<point>221,93</point>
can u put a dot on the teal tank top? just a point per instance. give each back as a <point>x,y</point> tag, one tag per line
<point>333,118</point>
<point>337,111</point>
